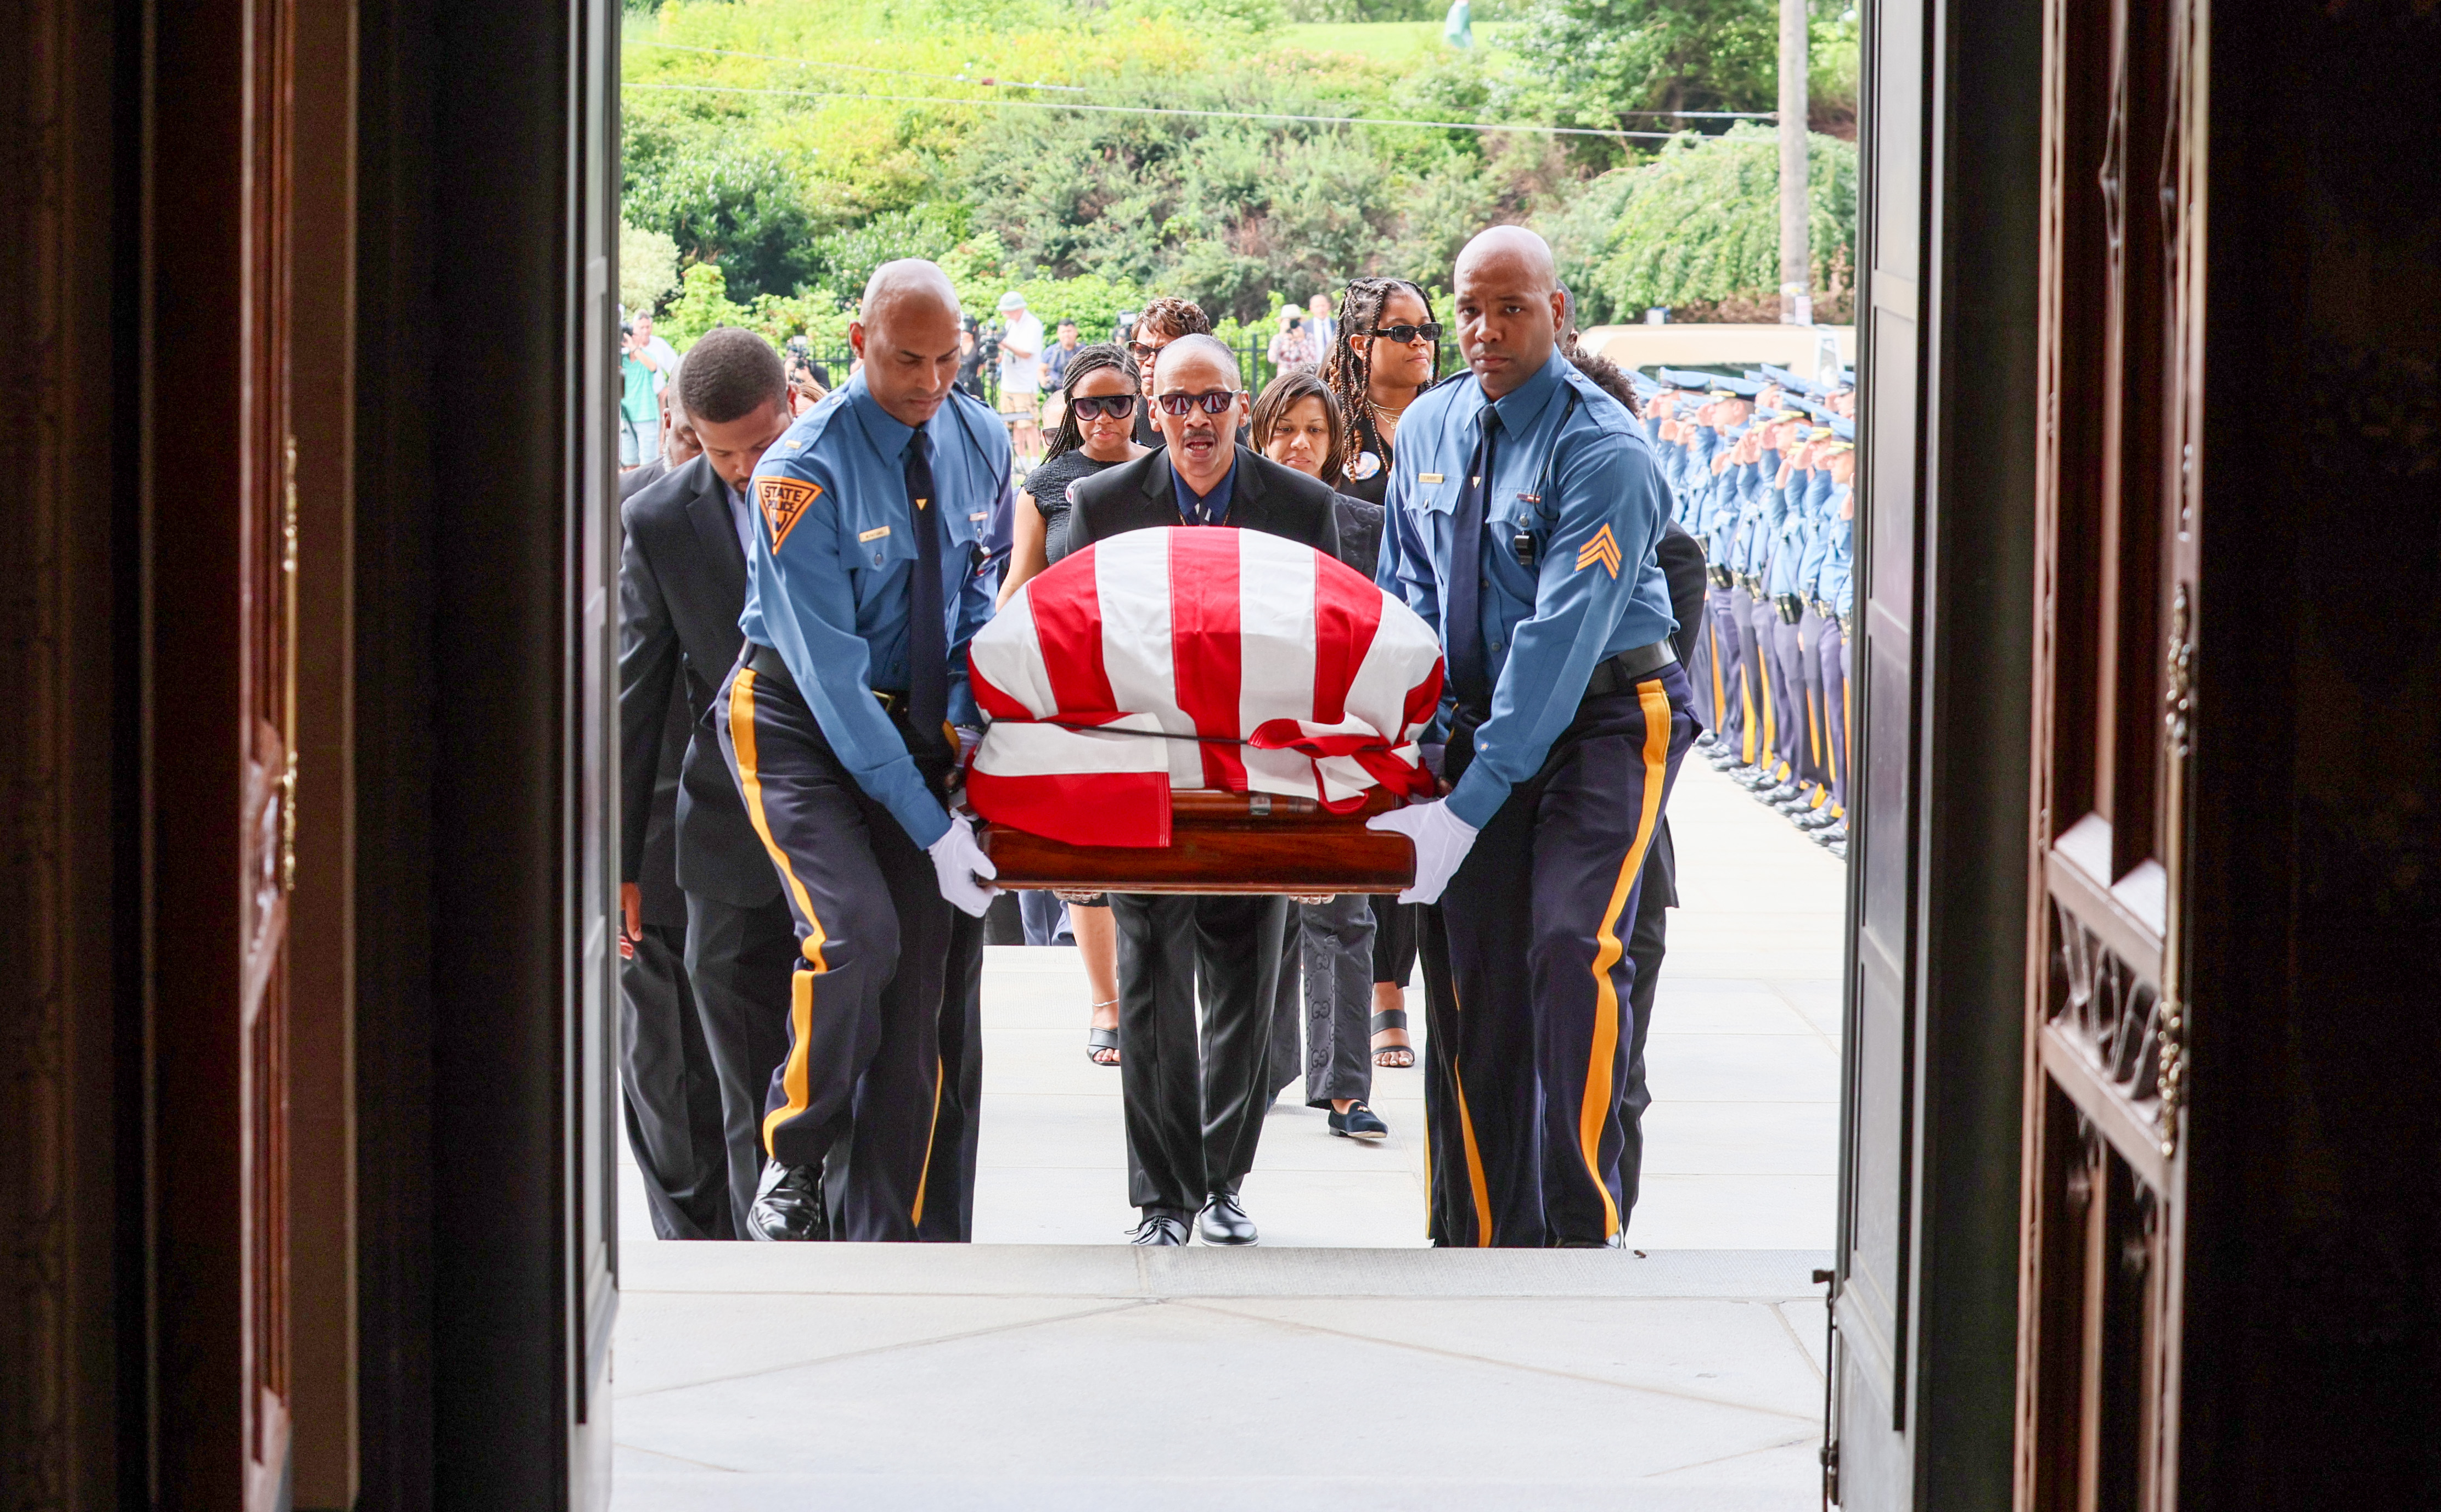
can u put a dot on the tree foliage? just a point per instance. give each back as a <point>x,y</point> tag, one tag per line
<point>1700,224</point>
<point>649,267</point>
<point>1598,61</point>
<point>797,144</point>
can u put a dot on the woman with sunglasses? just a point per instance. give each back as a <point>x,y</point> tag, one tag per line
<point>1389,346</point>
<point>1098,403</point>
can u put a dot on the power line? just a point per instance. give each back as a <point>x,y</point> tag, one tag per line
<point>862,69</point>
<point>1159,110</point>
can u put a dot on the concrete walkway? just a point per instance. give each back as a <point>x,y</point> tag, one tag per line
<point>1048,1365</point>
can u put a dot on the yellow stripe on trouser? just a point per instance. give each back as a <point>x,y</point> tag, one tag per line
<point>1595,1111</point>
<point>1753,727</point>
<point>931,1132</point>
<point>1720,688</point>
<point>800,1001</point>
<point>1478,1188</point>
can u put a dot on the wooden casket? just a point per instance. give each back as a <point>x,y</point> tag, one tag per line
<point>1181,711</point>
<point>1223,842</point>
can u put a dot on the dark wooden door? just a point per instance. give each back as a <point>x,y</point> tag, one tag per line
<point>266,509</point>
<point>2116,511</point>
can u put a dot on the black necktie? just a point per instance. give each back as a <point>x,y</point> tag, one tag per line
<point>928,633</point>
<point>1462,617</point>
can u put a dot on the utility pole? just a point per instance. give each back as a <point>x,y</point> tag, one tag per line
<point>1796,262</point>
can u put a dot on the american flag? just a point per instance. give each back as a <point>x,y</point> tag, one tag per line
<point>1172,660</point>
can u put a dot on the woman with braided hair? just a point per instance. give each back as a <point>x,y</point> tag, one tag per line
<point>1086,441</point>
<point>1387,347</point>
<point>1099,403</point>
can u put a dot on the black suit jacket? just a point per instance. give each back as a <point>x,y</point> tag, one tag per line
<point>1263,496</point>
<point>681,587</point>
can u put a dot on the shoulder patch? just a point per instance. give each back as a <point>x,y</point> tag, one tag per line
<point>783,501</point>
<point>1603,548</point>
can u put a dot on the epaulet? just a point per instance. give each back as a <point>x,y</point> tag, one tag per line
<point>805,430</point>
<point>1605,410</point>
<point>977,410</point>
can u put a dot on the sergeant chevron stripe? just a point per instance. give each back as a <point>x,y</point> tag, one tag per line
<point>1603,548</point>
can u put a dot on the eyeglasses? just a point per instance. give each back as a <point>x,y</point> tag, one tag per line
<point>1213,401</point>
<point>1119,406</point>
<point>1404,335</point>
<point>1145,351</point>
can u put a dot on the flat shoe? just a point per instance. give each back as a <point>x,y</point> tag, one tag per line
<point>1359,1122</point>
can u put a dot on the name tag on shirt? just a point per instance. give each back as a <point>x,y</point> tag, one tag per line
<point>980,515</point>
<point>1428,477</point>
<point>873,534</point>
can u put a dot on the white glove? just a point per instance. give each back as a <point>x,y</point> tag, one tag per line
<point>960,864</point>
<point>1441,840</point>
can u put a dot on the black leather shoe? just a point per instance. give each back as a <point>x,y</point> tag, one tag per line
<point>788,1204</point>
<point>1777,796</point>
<point>1159,1231</point>
<point>1224,1222</point>
<point>1835,833</point>
<point>1359,1122</point>
<point>1761,778</point>
<point>1818,818</point>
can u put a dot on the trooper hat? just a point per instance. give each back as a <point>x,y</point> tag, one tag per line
<point>1792,383</point>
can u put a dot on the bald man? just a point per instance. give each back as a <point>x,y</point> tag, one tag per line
<point>1523,512</point>
<point>866,579</point>
<point>1194,1104</point>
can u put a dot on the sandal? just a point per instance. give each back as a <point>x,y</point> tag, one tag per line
<point>1100,1043</point>
<point>1392,1057</point>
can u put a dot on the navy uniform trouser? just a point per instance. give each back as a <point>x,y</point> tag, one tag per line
<point>1533,1042</point>
<point>1809,670</point>
<point>1726,672</point>
<point>1830,655</point>
<point>1776,640</point>
<point>884,1062</point>
<point>1754,622</point>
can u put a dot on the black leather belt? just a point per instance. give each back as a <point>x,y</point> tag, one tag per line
<point>765,662</point>
<point>1624,671</point>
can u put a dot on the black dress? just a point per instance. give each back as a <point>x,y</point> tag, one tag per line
<point>1049,485</point>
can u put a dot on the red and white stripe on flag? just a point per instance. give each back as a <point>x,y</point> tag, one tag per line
<point>1188,657</point>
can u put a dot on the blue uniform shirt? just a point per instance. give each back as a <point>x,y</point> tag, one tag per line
<point>828,584</point>
<point>1575,469</point>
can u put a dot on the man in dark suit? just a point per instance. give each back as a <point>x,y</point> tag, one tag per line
<point>1193,1118</point>
<point>682,586</point>
<point>672,1099</point>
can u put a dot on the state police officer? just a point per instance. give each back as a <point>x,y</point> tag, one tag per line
<point>1521,516</point>
<point>866,585</point>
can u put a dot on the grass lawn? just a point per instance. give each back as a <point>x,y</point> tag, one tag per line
<point>1385,41</point>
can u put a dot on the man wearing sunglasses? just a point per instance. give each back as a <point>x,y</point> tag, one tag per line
<point>1524,511</point>
<point>1193,1118</point>
<point>1164,320</point>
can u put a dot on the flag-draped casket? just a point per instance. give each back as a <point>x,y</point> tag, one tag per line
<point>1139,684</point>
